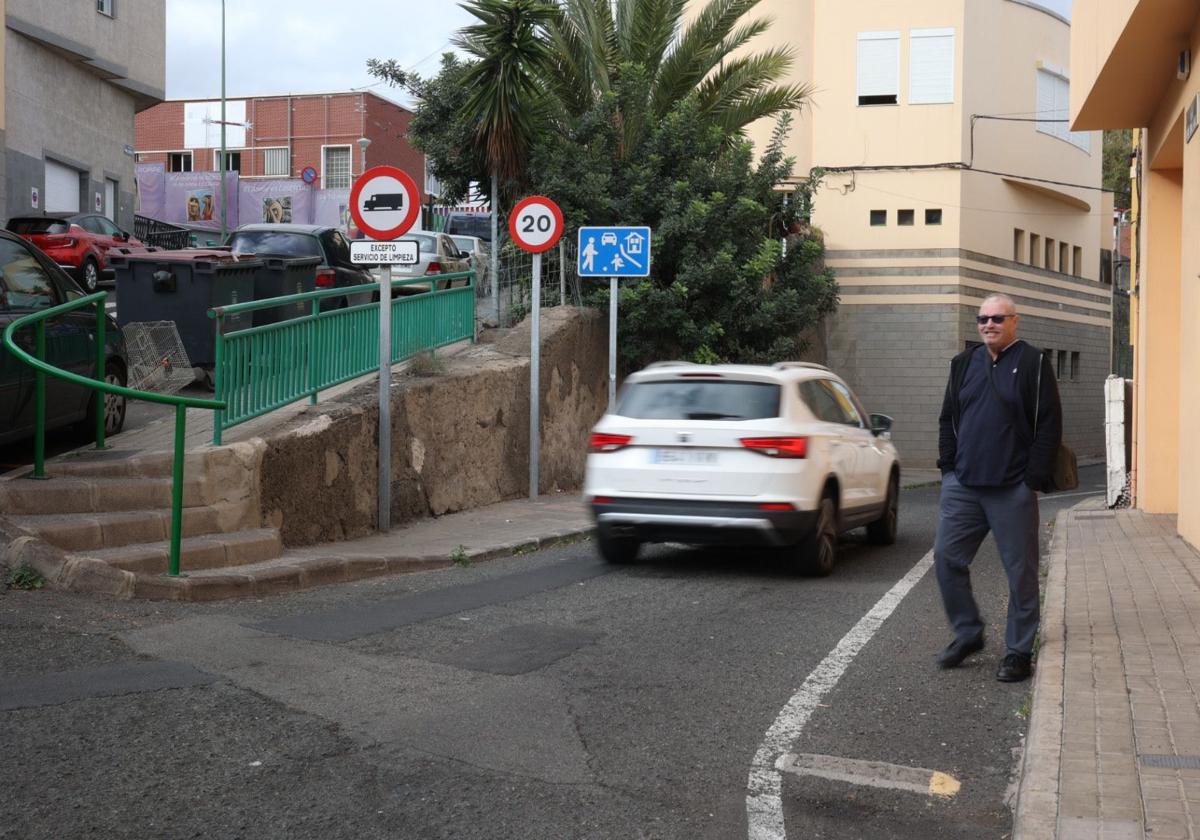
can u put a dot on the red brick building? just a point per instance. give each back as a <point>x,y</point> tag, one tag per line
<point>279,136</point>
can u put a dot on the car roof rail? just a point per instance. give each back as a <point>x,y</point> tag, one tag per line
<point>809,365</point>
<point>669,364</point>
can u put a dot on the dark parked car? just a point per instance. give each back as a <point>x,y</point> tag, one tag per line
<point>79,243</point>
<point>469,224</point>
<point>30,281</point>
<point>328,243</point>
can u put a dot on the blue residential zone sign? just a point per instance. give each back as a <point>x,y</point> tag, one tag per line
<point>614,252</point>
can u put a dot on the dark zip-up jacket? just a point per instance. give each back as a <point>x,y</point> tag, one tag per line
<point>1042,449</point>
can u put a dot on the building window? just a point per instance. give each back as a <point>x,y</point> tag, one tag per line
<point>1053,95</point>
<point>105,7</point>
<point>930,66</point>
<point>233,161</point>
<point>275,162</point>
<point>1061,372</point>
<point>904,217</point>
<point>878,68</point>
<point>1035,250</point>
<point>933,216</point>
<point>1074,365</point>
<point>179,161</point>
<point>1018,245</point>
<point>878,218</point>
<point>1049,263</point>
<point>335,171</point>
<point>1077,261</point>
<point>1064,257</point>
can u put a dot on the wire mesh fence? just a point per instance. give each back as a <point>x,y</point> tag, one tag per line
<point>511,297</point>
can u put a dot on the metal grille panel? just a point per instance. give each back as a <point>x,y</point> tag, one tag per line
<point>1174,762</point>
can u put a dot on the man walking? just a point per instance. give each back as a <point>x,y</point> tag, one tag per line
<point>999,430</point>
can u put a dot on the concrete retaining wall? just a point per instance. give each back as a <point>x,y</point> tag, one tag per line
<point>460,438</point>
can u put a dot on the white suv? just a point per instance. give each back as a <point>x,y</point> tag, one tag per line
<point>741,455</point>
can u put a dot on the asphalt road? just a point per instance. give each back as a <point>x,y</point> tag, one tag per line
<point>539,696</point>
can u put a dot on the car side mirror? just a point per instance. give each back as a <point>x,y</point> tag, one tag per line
<point>881,424</point>
<point>122,236</point>
<point>464,255</point>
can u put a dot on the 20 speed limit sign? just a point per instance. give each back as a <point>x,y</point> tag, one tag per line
<point>536,224</point>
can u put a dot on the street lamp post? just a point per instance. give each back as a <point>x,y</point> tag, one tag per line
<point>224,164</point>
<point>363,142</point>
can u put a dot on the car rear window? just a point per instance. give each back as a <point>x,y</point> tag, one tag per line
<point>275,243</point>
<point>478,225</point>
<point>35,227</point>
<point>689,399</point>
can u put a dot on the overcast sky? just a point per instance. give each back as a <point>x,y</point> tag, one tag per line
<point>302,46</point>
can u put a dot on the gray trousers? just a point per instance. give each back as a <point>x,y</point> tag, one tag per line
<point>967,514</point>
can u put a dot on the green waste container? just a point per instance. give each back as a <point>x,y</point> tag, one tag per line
<point>282,276</point>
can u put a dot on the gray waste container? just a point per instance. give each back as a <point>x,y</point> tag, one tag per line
<point>281,276</point>
<point>181,286</point>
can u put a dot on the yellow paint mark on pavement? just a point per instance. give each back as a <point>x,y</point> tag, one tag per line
<point>941,784</point>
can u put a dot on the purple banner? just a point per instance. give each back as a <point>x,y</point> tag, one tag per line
<point>151,185</point>
<point>332,208</point>
<point>194,199</point>
<point>278,201</point>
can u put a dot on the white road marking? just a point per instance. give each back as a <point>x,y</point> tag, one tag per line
<point>870,773</point>
<point>764,805</point>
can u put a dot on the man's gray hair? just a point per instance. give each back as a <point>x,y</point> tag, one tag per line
<point>1003,298</point>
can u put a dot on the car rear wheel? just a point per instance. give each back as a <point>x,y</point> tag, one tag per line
<point>819,549</point>
<point>883,530</point>
<point>89,274</point>
<point>618,550</point>
<point>113,405</point>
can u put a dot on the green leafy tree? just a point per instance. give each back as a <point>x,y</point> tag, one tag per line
<point>1117,147</point>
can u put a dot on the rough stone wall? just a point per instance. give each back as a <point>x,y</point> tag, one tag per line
<point>460,438</point>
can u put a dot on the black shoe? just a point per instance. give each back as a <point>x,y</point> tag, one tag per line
<point>1015,667</point>
<point>958,650</point>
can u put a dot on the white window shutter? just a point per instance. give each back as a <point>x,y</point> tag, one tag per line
<point>930,66</point>
<point>1045,102</point>
<point>879,64</point>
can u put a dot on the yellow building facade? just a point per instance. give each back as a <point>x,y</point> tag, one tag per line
<point>1131,62</point>
<point>950,172</point>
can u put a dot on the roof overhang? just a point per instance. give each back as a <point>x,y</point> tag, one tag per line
<point>1049,192</point>
<point>1139,68</point>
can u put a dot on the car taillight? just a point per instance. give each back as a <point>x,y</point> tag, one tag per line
<point>326,278</point>
<point>434,268</point>
<point>776,507</point>
<point>778,447</point>
<point>601,500</point>
<point>58,242</point>
<point>608,443</point>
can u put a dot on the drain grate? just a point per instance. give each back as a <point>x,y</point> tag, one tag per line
<point>1173,762</point>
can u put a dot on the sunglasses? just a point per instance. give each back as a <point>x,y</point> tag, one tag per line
<point>995,319</point>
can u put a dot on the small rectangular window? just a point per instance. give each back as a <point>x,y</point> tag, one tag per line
<point>335,171</point>
<point>179,162</point>
<point>105,7</point>
<point>1074,365</point>
<point>878,68</point>
<point>1064,257</point>
<point>1050,254</point>
<point>233,161</point>
<point>878,218</point>
<point>933,216</point>
<point>930,66</point>
<point>904,217</point>
<point>275,162</point>
<point>1077,261</point>
<point>1062,364</point>
<point>1035,250</point>
<point>1018,245</point>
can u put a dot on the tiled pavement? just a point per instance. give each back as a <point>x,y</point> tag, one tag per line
<point>1114,742</point>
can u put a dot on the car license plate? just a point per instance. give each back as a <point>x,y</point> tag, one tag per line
<point>684,456</point>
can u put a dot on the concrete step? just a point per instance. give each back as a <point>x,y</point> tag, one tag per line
<point>212,551</point>
<point>26,496</point>
<point>118,463</point>
<point>95,531</point>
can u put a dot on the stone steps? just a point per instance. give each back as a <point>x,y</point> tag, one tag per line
<point>93,494</point>
<point>94,531</point>
<point>209,551</point>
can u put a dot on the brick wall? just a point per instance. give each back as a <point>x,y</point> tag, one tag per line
<point>387,129</point>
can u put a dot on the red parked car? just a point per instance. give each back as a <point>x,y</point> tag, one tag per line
<point>80,243</point>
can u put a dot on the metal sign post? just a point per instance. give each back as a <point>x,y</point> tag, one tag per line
<point>613,252</point>
<point>536,223</point>
<point>384,202</point>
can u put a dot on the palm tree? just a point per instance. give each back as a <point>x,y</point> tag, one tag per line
<point>598,43</point>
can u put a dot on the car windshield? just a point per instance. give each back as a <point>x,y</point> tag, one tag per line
<point>274,243</point>
<point>34,227</point>
<point>683,399</point>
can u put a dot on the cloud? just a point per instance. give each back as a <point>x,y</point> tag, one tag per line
<point>303,46</point>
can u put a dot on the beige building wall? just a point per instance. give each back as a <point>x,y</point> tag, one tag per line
<point>1125,58</point>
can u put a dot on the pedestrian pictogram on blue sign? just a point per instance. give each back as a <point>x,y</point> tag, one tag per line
<point>614,252</point>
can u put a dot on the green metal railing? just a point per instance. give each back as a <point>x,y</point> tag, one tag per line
<point>260,369</point>
<point>42,369</point>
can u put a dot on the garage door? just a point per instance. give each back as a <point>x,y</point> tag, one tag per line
<point>62,188</point>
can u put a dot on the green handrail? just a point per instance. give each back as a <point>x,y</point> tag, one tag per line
<point>42,369</point>
<point>260,369</point>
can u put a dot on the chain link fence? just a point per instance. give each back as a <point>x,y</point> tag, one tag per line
<point>509,300</point>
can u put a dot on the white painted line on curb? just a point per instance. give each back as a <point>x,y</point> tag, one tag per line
<point>764,805</point>
<point>1080,493</point>
<point>870,773</point>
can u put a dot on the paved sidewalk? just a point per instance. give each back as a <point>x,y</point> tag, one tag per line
<point>1114,742</point>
